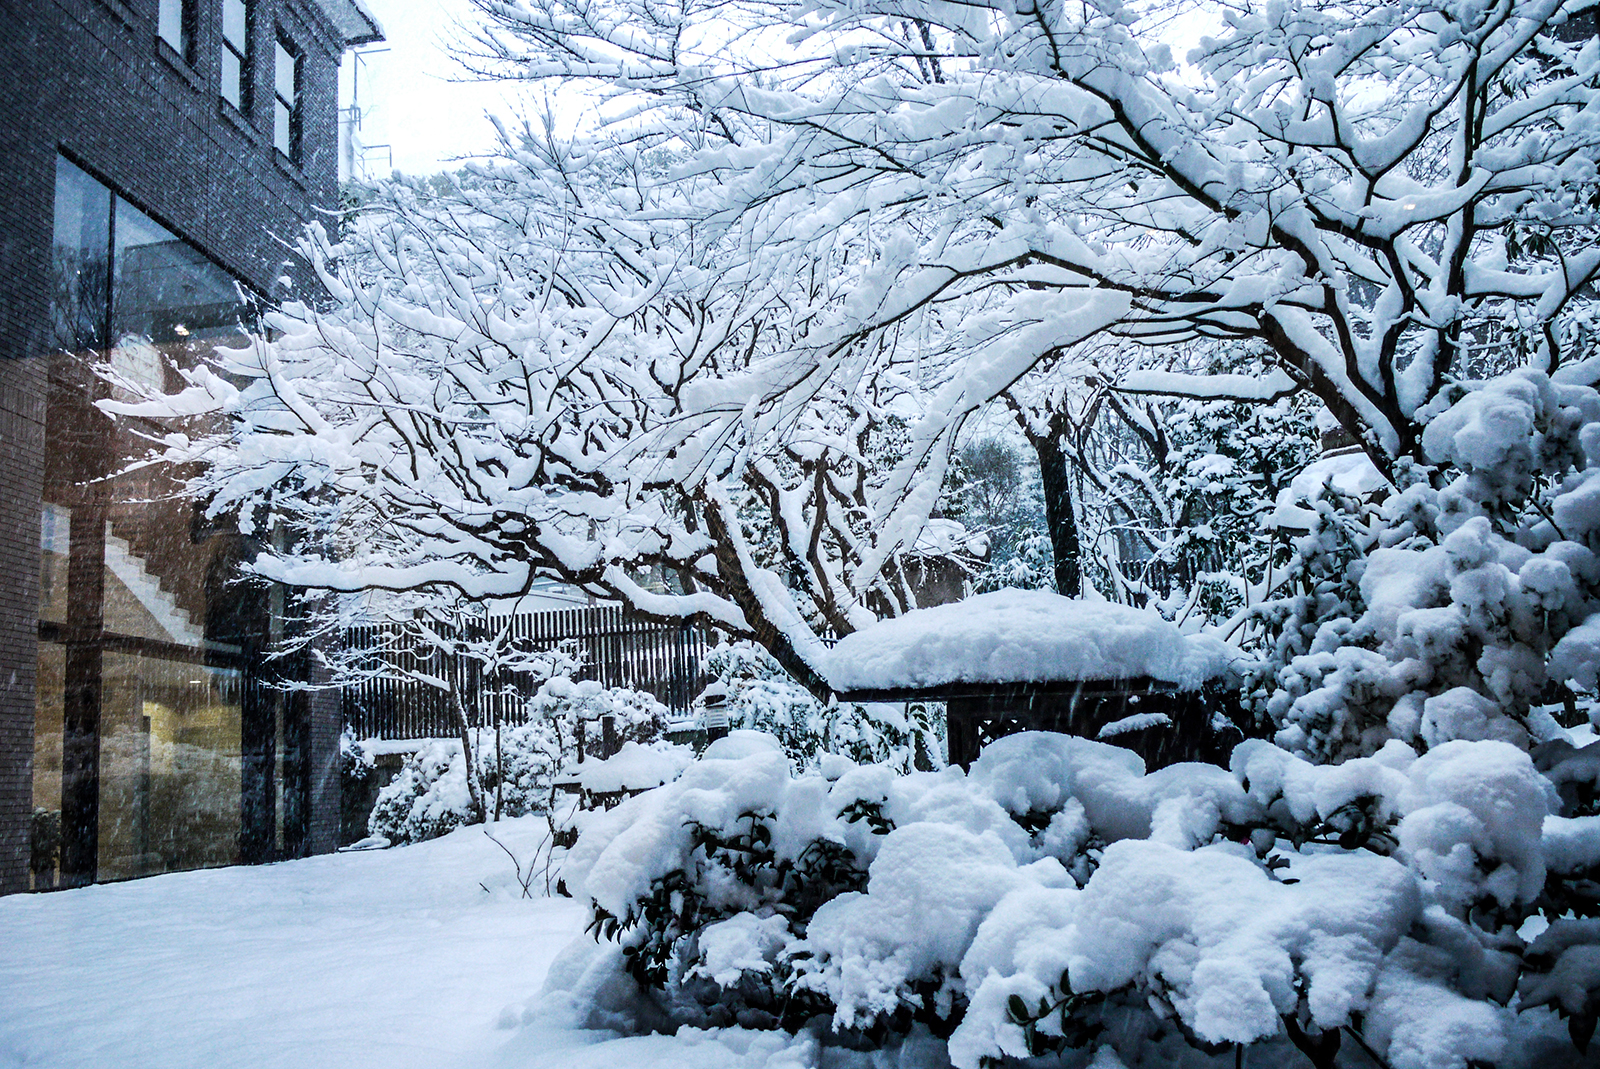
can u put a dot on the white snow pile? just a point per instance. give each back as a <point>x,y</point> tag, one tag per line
<point>635,767</point>
<point>1057,896</point>
<point>1022,636</point>
<point>1352,474</point>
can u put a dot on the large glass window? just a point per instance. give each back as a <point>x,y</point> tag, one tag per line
<point>236,53</point>
<point>169,766</point>
<point>286,88</point>
<point>80,254</point>
<point>159,740</point>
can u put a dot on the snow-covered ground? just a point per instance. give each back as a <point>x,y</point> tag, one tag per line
<point>390,959</point>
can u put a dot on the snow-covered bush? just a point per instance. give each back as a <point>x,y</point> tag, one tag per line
<point>565,704</point>
<point>515,767</point>
<point>1057,896</point>
<point>1448,614</point>
<point>428,797</point>
<point>761,696</point>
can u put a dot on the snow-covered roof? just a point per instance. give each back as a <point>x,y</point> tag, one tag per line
<point>353,21</point>
<point>1021,636</point>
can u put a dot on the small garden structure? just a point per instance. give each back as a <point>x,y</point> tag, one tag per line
<point>1030,660</point>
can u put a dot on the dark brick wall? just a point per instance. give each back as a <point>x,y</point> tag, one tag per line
<point>21,471</point>
<point>90,78</point>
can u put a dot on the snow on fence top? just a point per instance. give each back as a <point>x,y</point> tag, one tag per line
<point>1021,636</point>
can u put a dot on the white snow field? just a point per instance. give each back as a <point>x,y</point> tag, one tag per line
<point>387,959</point>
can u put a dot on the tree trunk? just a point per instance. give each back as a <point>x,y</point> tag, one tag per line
<point>474,794</point>
<point>1058,514</point>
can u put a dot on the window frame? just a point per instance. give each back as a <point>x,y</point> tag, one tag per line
<point>177,17</point>
<point>242,52</point>
<point>293,105</point>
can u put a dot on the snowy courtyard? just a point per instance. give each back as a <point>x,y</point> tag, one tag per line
<point>391,958</point>
<point>856,534</point>
<point>398,959</point>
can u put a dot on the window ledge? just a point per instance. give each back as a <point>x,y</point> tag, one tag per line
<point>238,120</point>
<point>121,11</point>
<point>289,167</point>
<point>178,64</point>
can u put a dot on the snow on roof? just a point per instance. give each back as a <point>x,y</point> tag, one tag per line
<point>1021,636</point>
<point>353,21</point>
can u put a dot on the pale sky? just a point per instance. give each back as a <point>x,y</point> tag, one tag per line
<point>413,100</point>
<point>407,96</point>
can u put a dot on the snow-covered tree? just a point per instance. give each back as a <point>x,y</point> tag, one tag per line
<point>1384,196</point>
<point>593,362</point>
<point>528,376</point>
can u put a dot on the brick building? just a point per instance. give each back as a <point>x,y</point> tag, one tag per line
<point>155,156</point>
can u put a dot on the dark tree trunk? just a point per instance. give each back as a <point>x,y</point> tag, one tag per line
<point>1058,514</point>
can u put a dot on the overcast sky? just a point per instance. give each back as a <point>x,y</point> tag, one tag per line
<point>414,100</point>
<point>410,97</point>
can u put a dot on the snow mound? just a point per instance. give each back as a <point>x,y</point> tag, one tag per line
<point>1022,636</point>
<point>635,767</point>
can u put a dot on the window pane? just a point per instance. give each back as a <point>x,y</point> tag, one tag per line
<point>284,74</point>
<point>235,22</point>
<point>280,128</point>
<point>232,78</point>
<point>55,549</point>
<point>80,271</point>
<point>170,26</point>
<point>166,291</point>
<point>49,712</point>
<point>169,766</point>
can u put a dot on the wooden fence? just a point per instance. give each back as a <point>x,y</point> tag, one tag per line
<point>615,646</point>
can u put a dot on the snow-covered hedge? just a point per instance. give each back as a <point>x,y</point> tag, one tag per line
<point>430,795</point>
<point>1057,896</point>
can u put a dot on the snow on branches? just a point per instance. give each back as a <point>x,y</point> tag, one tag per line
<point>1385,195</point>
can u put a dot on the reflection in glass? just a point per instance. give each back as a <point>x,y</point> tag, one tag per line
<point>158,744</point>
<point>55,548</point>
<point>165,290</point>
<point>45,852</point>
<point>80,261</point>
<point>169,766</point>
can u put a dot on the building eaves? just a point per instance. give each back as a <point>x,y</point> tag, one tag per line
<point>356,25</point>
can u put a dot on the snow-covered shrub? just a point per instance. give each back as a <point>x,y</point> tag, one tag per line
<point>1057,896</point>
<point>762,697</point>
<point>429,797</point>
<point>565,704</point>
<point>1453,610</point>
<point>514,767</point>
